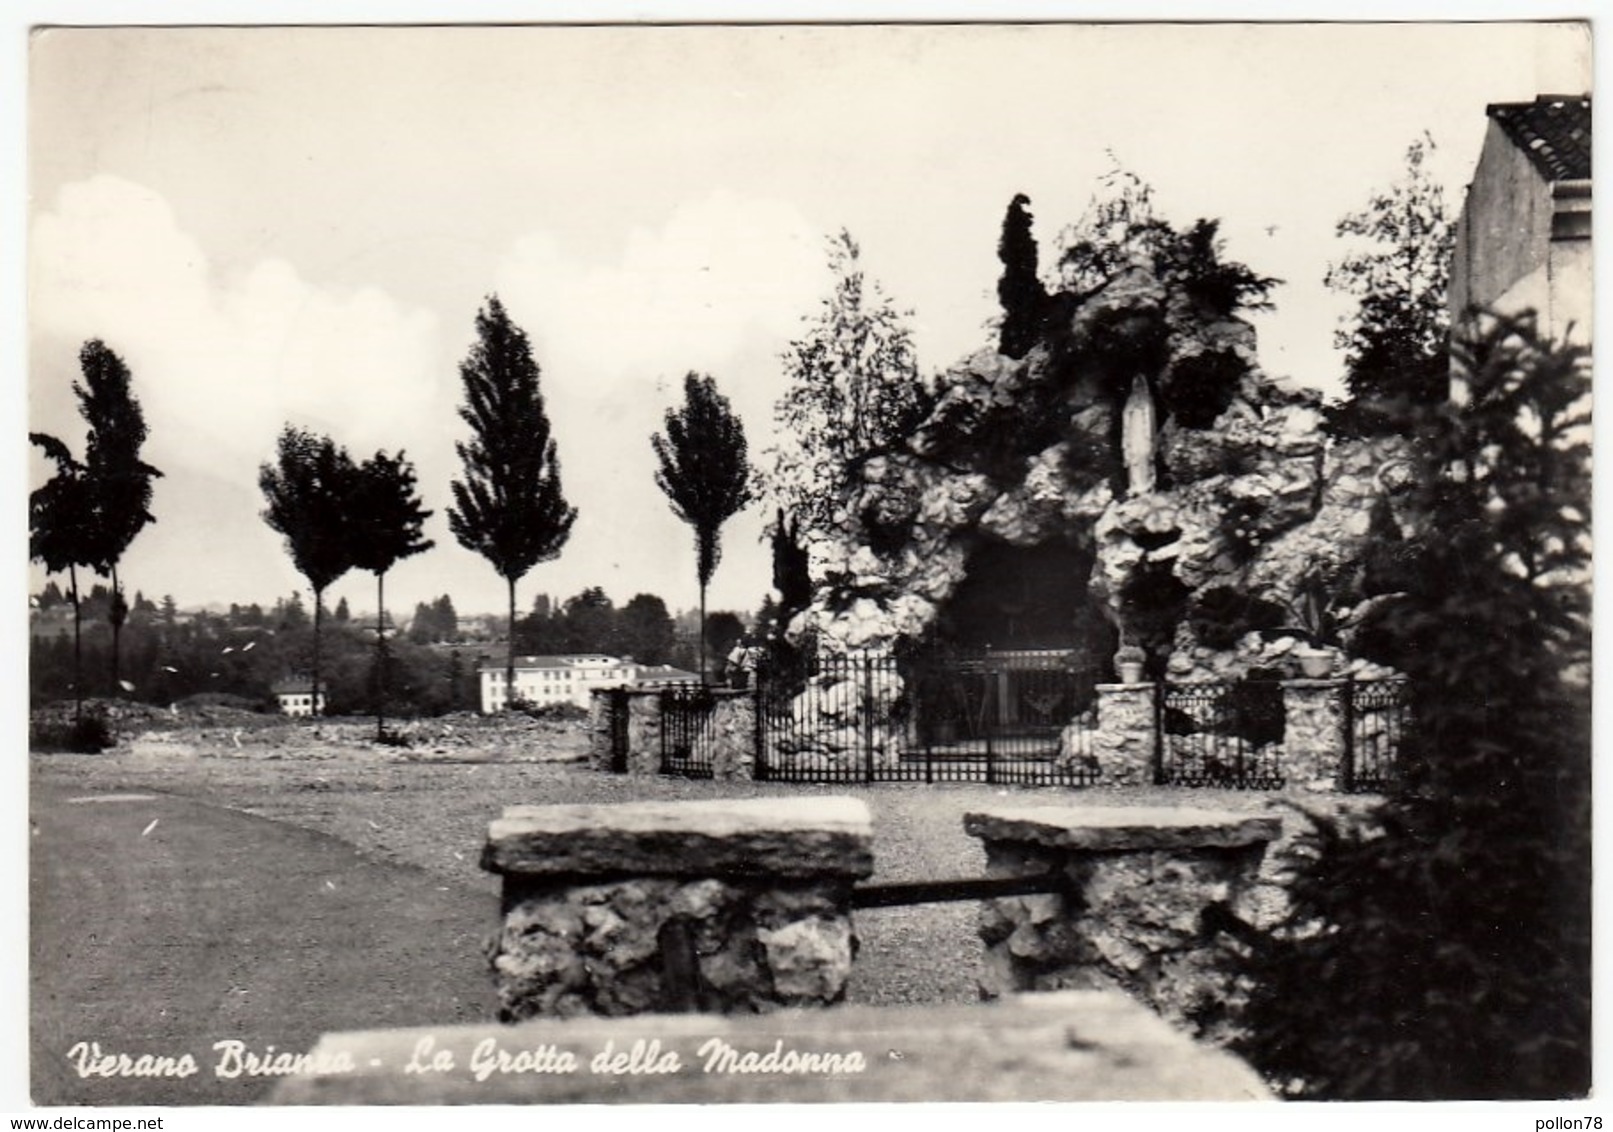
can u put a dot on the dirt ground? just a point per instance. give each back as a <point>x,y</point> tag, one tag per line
<point>428,806</point>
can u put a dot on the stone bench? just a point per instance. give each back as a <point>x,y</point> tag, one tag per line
<point>1067,1046</point>
<point>724,906</point>
<point>1136,894</point>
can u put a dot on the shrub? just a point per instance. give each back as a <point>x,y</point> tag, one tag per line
<point>1440,949</point>
<point>88,735</point>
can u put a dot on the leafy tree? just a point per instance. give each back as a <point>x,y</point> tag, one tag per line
<point>1441,950</point>
<point>704,473</point>
<point>1120,230</point>
<point>120,481</point>
<point>723,630</point>
<point>62,535</point>
<point>590,623</point>
<point>854,392</point>
<point>509,508</point>
<point>342,614</point>
<point>1020,290</point>
<point>309,490</point>
<point>646,629</point>
<point>89,512</point>
<point>1396,341</point>
<point>447,618</point>
<point>289,613</point>
<point>387,517</point>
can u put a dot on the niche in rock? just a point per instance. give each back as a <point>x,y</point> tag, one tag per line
<point>1015,597</point>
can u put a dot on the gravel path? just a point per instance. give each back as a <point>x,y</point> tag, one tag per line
<point>432,813</point>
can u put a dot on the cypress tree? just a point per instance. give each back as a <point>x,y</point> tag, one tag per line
<point>1024,299</point>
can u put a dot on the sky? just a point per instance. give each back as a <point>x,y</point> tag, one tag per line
<point>298,225</point>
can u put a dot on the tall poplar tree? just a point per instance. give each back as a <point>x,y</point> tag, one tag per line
<point>309,491</point>
<point>509,508</point>
<point>704,473</point>
<point>387,517</point>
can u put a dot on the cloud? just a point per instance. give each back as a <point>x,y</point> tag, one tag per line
<point>720,288</point>
<point>220,364</point>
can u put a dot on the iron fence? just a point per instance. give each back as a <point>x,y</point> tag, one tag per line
<point>1007,717</point>
<point>1375,720</point>
<point>1220,734</point>
<point>687,731</point>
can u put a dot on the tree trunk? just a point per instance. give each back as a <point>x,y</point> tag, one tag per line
<point>319,605</point>
<point>702,634</point>
<point>78,656</point>
<point>115,616</point>
<point>380,656</point>
<point>509,667</point>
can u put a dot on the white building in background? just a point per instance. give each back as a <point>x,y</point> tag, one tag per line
<point>541,681</point>
<point>296,696</point>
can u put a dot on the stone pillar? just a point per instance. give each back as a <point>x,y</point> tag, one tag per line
<point>733,736</point>
<point>1137,884</point>
<point>721,906</point>
<point>731,739</point>
<point>643,732</point>
<point>1124,743</point>
<point>599,731</point>
<point>1313,733</point>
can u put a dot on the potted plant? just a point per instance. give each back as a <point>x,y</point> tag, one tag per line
<point>1129,664</point>
<point>1315,627</point>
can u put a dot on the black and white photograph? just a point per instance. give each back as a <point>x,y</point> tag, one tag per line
<point>793,562</point>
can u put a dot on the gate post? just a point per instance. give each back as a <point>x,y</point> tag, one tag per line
<point>1126,743</point>
<point>1317,732</point>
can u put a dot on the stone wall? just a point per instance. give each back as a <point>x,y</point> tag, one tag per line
<point>1136,886</point>
<point>1124,743</point>
<point>1314,739</point>
<point>1071,1046</point>
<point>737,905</point>
<point>729,741</point>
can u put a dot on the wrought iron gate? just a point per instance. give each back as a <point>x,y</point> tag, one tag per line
<point>1008,718</point>
<point>1213,734</point>
<point>686,731</point>
<point>1374,720</point>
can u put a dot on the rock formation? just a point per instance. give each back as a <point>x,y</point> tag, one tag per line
<point>1190,558</point>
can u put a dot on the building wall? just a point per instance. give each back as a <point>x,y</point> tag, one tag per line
<point>560,684</point>
<point>1571,301</point>
<point>1504,233</point>
<point>298,703</point>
